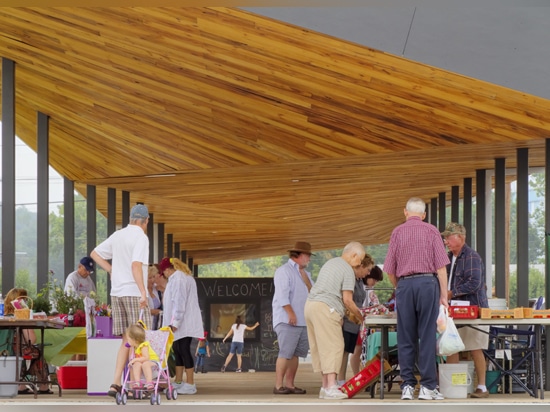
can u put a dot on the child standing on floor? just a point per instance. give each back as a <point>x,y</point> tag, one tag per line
<point>237,344</point>
<point>203,349</point>
<point>144,359</point>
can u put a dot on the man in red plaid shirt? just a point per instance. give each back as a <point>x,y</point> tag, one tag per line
<point>416,265</point>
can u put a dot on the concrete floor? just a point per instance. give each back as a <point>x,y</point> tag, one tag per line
<point>249,389</point>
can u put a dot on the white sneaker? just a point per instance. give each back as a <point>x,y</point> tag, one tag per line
<point>187,389</point>
<point>177,385</point>
<point>322,393</point>
<point>407,393</point>
<point>428,394</point>
<point>334,392</point>
<point>340,383</point>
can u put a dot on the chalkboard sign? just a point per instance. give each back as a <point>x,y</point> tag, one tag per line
<point>221,300</point>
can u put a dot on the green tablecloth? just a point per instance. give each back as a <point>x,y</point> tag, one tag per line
<point>62,344</point>
<point>374,343</point>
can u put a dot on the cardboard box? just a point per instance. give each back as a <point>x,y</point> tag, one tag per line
<point>73,375</point>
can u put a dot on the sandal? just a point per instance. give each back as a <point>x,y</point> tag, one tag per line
<point>297,391</point>
<point>45,392</point>
<point>25,391</point>
<point>114,389</point>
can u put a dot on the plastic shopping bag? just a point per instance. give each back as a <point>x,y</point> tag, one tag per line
<point>442,319</point>
<point>449,342</point>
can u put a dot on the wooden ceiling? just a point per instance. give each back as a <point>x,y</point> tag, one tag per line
<point>259,133</point>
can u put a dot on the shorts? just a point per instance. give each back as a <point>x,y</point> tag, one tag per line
<point>350,341</point>
<point>236,348</point>
<point>292,341</point>
<point>125,311</point>
<point>474,339</point>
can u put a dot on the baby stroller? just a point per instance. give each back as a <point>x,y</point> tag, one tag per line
<point>161,342</point>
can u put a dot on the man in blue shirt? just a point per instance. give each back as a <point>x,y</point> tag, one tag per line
<point>292,285</point>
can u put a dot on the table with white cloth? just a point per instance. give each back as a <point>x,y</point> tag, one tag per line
<point>385,323</point>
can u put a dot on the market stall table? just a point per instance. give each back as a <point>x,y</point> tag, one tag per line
<point>18,325</point>
<point>385,323</point>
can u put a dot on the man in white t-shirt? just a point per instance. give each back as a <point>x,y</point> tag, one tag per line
<point>128,249</point>
<point>79,282</point>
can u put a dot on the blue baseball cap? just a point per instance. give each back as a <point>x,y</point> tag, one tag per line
<point>139,212</point>
<point>88,264</point>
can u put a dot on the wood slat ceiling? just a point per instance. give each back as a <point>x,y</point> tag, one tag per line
<point>267,133</point>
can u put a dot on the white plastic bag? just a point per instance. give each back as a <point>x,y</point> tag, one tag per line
<point>449,342</point>
<point>442,319</point>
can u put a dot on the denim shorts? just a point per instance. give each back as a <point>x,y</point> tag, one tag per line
<point>236,347</point>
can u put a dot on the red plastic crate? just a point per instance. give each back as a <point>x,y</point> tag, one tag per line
<point>72,377</point>
<point>369,374</point>
<point>464,312</point>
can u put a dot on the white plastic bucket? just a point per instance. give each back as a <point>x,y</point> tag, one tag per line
<point>453,380</point>
<point>7,373</point>
<point>471,374</point>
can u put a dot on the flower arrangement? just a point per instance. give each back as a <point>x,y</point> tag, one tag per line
<point>103,310</point>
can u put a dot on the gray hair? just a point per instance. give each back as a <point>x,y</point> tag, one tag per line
<point>354,247</point>
<point>138,221</point>
<point>416,205</point>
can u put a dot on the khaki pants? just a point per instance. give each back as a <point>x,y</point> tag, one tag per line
<point>326,341</point>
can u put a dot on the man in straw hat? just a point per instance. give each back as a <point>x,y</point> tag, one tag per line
<point>292,284</point>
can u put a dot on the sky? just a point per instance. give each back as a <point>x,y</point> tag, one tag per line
<point>26,182</point>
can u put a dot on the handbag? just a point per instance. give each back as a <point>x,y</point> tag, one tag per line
<point>449,342</point>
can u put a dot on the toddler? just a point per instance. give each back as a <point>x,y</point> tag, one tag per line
<point>144,358</point>
<point>203,349</point>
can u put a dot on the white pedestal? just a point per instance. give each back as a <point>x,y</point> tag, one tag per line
<point>102,355</point>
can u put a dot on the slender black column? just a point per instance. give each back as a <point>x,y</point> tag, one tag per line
<point>43,202</point>
<point>8,175</point>
<point>522,222</point>
<point>481,203</point>
<point>433,211</point>
<point>455,203</point>
<point>467,210</point>
<point>500,227</point>
<point>170,245</point>
<point>151,236</point>
<point>184,256</point>
<point>160,229</point>
<point>442,211</point>
<point>125,208</point>
<point>68,226</point>
<point>91,223</point>
<point>176,249</point>
<point>111,227</point>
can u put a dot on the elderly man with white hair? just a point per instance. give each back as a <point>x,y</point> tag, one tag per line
<point>416,265</point>
<point>325,308</point>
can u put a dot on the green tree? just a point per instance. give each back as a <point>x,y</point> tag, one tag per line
<point>536,286</point>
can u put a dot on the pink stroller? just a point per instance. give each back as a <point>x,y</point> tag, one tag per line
<point>161,342</point>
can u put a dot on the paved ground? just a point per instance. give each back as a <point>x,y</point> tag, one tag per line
<point>242,389</point>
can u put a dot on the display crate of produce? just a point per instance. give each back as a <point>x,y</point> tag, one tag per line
<point>464,312</point>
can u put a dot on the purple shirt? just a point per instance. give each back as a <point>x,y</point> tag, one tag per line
<point>415,247</point>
